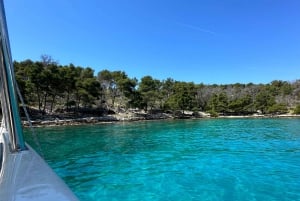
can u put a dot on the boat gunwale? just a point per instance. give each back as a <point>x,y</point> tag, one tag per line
<point>1,155</point>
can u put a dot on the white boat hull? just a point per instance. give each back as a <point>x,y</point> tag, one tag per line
<point>25,176</point>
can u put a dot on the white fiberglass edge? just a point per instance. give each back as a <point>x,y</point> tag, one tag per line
<point>25,176</point>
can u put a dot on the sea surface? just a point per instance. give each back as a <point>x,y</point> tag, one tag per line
<point>201,160</point>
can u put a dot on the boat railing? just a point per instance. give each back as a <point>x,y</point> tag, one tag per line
<point>1,155</point>
<point>8,95</point>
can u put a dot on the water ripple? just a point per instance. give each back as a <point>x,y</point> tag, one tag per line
<point>241,159</point>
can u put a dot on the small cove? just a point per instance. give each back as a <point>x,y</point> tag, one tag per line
<point>211,159</point>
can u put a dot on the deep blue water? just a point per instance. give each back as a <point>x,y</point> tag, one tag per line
<point>217,159</point>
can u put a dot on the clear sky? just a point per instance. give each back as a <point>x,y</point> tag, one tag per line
<point>204,41</point>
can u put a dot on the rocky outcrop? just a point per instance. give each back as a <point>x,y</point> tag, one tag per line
<point>69,120</point>
<point>57,120</point>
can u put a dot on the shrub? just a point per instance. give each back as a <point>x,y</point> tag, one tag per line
<point>213,113</point>
<point>278,109</point>
<point>297,109</point>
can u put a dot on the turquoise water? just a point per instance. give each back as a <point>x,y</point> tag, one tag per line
<point>219,159</point>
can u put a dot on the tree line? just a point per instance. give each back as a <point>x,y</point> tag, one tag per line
<point>51,87</point>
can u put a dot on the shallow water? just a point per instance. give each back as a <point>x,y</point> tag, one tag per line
<point>217,159</point>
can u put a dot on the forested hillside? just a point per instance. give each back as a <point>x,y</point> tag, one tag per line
<point>51,87</point>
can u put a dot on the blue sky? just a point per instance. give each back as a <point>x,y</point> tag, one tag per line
<point>204,41</point>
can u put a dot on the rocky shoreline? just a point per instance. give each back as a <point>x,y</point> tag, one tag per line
<point>61,120</point>
<point>57,120</point>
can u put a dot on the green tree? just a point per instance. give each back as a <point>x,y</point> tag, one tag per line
<point>54,85</point>
<point>69,76</point>
<point>278,87</point>
<point>166,90</point>
<point>183,97</point>
<point>23,79</point>
<point>36,82</point>
<point>88,89</point>
<point>127,87</point>
<point>203,94</point>
<point>297,109</point>
<point>117,84</point>
<point>219,103</point>
<point>243,105</point>
<point>278,108</point>
<point>149,90</point>
<point>263,100</point>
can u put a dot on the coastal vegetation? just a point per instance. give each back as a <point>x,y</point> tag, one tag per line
<point>53,88</point>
